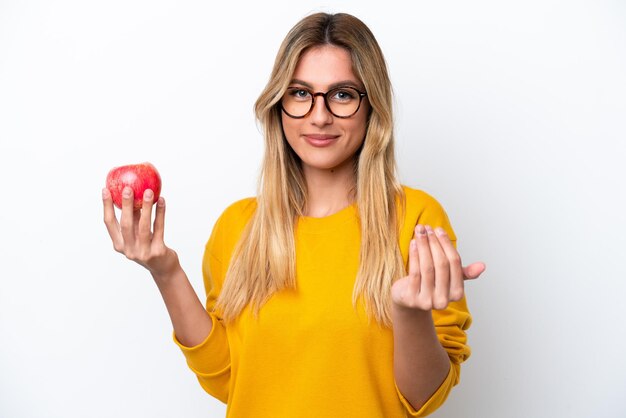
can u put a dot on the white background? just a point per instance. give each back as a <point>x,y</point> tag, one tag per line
<point>512,114</point>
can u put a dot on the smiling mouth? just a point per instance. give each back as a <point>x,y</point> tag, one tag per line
<point>320,140</point>
<point>321,136</point>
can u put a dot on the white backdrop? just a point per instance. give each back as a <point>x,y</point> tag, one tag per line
<point>512,114</point>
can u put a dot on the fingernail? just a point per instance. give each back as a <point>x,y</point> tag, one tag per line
<point>105,193</point>
<point>429,230</point>
<point>413,244</point>
<point>419,230</point>
<point>440,231</point>
<point>147,195</point>
<point>127,192</point>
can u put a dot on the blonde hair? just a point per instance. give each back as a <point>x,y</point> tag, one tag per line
<point>264,260</point>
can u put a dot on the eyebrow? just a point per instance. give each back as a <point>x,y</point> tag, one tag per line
<point>345,83</point>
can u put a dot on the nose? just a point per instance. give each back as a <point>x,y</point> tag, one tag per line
<point>320,115</point>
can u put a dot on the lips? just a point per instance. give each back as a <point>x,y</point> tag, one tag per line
<point>320,140</point>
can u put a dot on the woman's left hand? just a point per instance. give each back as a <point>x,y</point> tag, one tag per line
<point>435,274</point>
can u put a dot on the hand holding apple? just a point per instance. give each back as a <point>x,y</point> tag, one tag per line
<point>139,177</point>
<point>132,187</point>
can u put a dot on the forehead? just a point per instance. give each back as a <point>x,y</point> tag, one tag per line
<point>325,65</point>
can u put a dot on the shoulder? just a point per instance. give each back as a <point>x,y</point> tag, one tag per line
<point>422,208</point>
<point>239,211</point>
<point>231,223</point>
<point>418,196</point>
<point>419,200</point>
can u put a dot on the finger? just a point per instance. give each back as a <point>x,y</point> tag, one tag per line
<point>427,269</point>
<point>136,217</point>
<point>474,270</point>
<point>441,295</point>
<point>127,220</point>
<point>414,270</point>
<point>110,220</point>
<point>159,221</point>
<point>457,287</point>
<point>144,233</point>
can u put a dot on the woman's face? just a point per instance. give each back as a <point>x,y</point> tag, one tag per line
<point>322,140</point>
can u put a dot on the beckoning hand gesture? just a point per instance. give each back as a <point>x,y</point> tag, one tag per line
<point>435,274</point>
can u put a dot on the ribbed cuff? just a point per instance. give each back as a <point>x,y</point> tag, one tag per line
<point>211,356</point>
<point>437,398</point>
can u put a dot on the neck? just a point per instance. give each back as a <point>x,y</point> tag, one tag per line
<point>328,191</point>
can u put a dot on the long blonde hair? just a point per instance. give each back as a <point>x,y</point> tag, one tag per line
<point>264,260</point>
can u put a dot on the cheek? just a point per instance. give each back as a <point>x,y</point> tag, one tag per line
<point>359,128</point>
<point>361,122</point>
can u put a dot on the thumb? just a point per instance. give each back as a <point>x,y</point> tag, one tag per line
<point>473,270</point>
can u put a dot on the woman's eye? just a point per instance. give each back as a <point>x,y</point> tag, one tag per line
<point>299,93</point>
<point>343,95</point>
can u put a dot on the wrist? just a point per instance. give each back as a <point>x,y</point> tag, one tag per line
<point>412,317</point>
<point>406,311</point>
<point>168,271</point>
<point>413,321</point>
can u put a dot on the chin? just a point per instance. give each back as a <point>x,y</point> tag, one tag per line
<point>327,165</point>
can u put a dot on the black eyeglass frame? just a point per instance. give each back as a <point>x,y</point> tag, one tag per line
<point>324,95</point>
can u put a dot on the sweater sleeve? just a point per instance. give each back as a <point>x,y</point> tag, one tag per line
<point>451,322</point>
<point>210,360</point>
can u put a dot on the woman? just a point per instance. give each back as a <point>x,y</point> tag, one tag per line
<point>310,311</point>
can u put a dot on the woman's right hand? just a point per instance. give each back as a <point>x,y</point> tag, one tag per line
<point>134,237</point>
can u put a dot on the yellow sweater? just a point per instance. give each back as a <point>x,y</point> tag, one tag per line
<point>310,354</point>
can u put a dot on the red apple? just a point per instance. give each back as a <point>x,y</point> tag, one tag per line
<point>137,176</point>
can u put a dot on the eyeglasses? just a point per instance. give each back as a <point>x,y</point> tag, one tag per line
<point>342,102</point>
